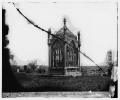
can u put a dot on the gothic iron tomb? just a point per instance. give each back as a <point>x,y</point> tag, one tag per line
<point>64,59</point>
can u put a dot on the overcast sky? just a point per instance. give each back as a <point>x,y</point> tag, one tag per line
<point>97,23</point>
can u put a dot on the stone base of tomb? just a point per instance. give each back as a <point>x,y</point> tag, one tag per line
<point>56,71</point>
<point>72,71</point>
<point>67,71</point>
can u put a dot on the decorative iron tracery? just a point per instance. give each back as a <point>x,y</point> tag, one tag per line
<point>71,55</point>
<point>57,54</point>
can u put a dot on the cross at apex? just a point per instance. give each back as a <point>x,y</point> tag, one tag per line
<point>64,21</point>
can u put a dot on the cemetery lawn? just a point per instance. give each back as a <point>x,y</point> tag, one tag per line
<point>42,83</point>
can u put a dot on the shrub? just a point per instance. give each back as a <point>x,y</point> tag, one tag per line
<point>29,70</point>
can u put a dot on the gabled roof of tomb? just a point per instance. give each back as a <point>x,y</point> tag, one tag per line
<point>64,31</point>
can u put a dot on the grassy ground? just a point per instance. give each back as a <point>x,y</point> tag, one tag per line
<point>40,83</point>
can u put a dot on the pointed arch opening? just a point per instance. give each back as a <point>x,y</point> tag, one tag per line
<point>71,55</point>
<point>57,54</point>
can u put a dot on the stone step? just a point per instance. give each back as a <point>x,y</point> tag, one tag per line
<point>58,94</point>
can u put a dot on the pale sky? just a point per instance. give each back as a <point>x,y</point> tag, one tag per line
<point>97,23</point>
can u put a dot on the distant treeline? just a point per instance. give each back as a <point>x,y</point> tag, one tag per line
<point>30,68</point>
